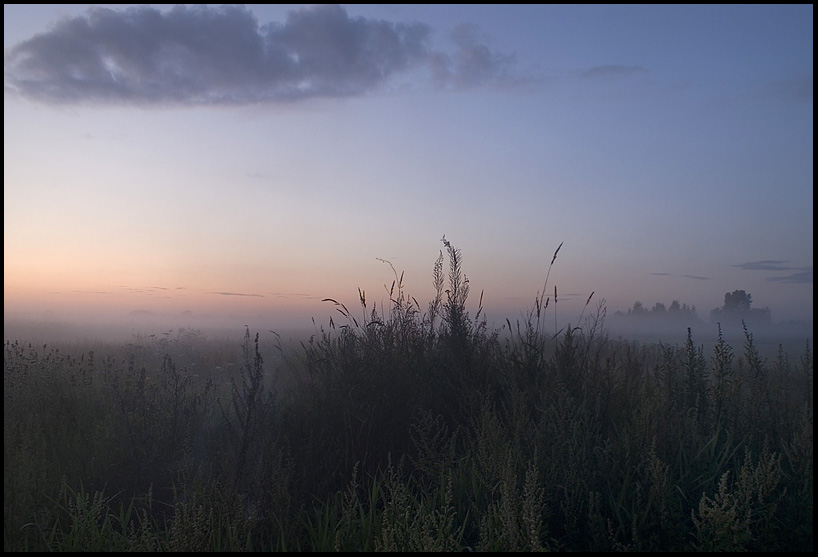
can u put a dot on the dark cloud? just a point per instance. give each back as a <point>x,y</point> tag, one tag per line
<point>473,63</point>
<point>696,277</point>
<point>222,55</point>
<point>293,295</point>
<point>798,89</point>
<point>801,277</point>
<point>237,294</point>
<point>612,70</point>
<point>149,290</point>
<point>766,265</point>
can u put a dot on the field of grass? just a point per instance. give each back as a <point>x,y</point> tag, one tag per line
<point>417,429</point>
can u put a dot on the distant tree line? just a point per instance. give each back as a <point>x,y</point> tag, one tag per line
<point>737,307</point>
<point>675,312</point>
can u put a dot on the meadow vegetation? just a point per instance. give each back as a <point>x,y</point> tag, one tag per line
<point>409,428</point>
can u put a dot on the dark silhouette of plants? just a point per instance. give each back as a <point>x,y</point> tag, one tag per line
<point>405,429</point>
<point>695,386</point>
<point>247,398</point>
<point>725,388</point>
<point>454,308</point>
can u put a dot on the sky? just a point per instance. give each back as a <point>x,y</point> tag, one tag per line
<point>247,163</point>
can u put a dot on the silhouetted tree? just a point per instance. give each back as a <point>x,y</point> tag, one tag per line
<point>638,309</point>
<point>737,305</point>
<point>737,301</point>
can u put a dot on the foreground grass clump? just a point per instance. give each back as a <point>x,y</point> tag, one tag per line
<point>412,428</point>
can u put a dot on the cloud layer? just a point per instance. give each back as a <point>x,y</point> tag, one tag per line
<point>801,275</point>
<point>222,55</point>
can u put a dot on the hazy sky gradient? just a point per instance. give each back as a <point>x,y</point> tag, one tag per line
<point>252,161</point>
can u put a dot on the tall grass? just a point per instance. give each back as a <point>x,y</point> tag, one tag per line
<point>409,428</point>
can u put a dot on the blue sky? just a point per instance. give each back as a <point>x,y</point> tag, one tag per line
<point>252,161</point>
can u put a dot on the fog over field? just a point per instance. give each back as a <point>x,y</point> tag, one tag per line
<point>51,328</point>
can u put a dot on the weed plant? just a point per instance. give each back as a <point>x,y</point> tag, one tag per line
<point>409,428</point>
